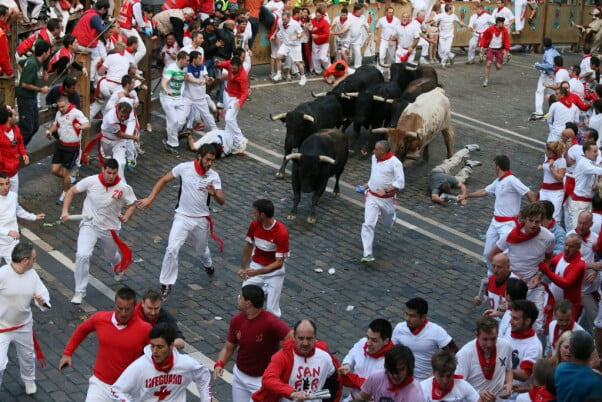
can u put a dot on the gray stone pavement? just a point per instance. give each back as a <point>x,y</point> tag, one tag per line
<point>433,251</point>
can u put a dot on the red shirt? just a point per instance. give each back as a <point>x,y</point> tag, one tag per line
<point>238,84</point>
<point>322,29</point>
<point>571,280</point>
<point>269,243</point>
<point>576,100</point>
<point>488,35</point>
<point>258,339</point>
<point>331,70</point>
<point>5,65</point>
<point>117,348</point>
<point>11,150</point>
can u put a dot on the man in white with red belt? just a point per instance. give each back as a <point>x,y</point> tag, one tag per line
<point>118,126</point>
<point>19,285</point>
<point>586,175</point>
<point>267,247</point>
<point>508,191</point>
<point>113,68</point>
<point>199,182</point>
<point>387,25</point>
<point>106,195</point>
<point>386,178</point>
<point>478,23</point>
<point>407,35</point>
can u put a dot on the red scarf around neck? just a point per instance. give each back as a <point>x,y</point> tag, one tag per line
<point>396,388</point>
<point>566,101</point>
<point>551,224</point>
<point>198,168</point>
<point>389,19</point>
<point>487,367</point>
<point>417,330</point>
<point>140,313</point>
<point>342,20</point>
<point>437,393</point>
<point>378,354</point>
<point>524,335</point>
<point>105,184</point>
<point>585,236</point>
<point>406,24</point>
<point>516,235</point>
<point>574,259</point>
<point>166,365</point>
<point>499,9</point>
<point>353,12</point>
<point>387,156</point>
<point>558,332</point>
<point>506,174</point>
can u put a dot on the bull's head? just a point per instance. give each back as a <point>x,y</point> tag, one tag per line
<point>413,144</point>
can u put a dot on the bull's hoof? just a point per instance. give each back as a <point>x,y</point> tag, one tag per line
<point>280,175</point>
<point>335,195</point>
<point>291,217</point>
<point>311,219</point>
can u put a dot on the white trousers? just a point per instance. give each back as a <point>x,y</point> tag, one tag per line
<point>375,206</point>
<point>473,44</point>
<point>424,44</point>
<point>575,208</point>
<point>556,197</point>
<point>519,14</point>
<point>445,45</point>
<point>243,386</point>
<point>356,49</point>
<point>231,126</point>
<point>141,47</point>
<point>86,240</point>
<point>98,391</point>
<point>35,12</point>
<point>180,228</point>
<point>116,150</point>
<point>272,287</point>
<point>199,109</point>
<point>541,91</point>
<point>319,57</point>
<point>538,296</point>
<point>175,117</point>
<point>386,53</point>
<point>7,244</point>
<point>495,231</point>
<point>105,90</point>
<point>23,340</point>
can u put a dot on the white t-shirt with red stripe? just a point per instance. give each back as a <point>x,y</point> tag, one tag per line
<point>68,134</point>
<point>269,243</point>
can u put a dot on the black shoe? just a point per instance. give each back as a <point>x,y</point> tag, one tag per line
<point>165,290</point>
<point>210,271</point>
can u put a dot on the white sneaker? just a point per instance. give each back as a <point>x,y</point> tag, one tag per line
<point>472,147</point>
<point>78,297</point>
<point>242,148</point>
<point>303,80</point>
<point>277,77</point>
<point>30,387</point>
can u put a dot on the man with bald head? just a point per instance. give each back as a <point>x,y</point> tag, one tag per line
<point>407,35</point>
<point>303,366</point>
<point>495,291</point>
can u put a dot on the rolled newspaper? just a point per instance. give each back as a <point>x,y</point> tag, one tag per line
<point>322,394</point>
<point>79,218</point>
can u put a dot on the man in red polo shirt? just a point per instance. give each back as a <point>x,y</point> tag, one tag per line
<point>235,95</point>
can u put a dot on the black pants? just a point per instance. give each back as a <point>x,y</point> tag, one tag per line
<point>177,26</point>
<point>28,117</point>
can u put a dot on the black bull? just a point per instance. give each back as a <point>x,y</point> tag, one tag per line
<point>320,157</point>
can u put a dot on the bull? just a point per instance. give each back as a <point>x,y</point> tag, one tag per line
<point>306,119</point>
<point>321,156</point>
<point>415,89</point>
<point>418,124</point>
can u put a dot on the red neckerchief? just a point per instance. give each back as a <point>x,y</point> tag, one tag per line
<point>406,24</point>
<point>437,393</point>
<point>525,335</point>
<point>497,30</point>
<point>389,19</point>
<point>102,181</point>
<point>140,313</point>
<point>129,50</point>
<point>70,108</point>
<point>575,142</point>
<point>417,330</point>
<point>342,20</point>
<point>378,354</point>
<point>388,156</point>
<point>481,13</point>
<point>166,365</point>
<point>584,236</point>
<point>566,101</point>
<point>556,69</point>
<point>597,211</point>
<point>353,12</point>
<point>61,91</point>
<point>420,22</point>
<point>285,26</point>
<point>552,223</point>
<point>170,46</point>
<point>241,31</point>
<point>122,53</point>
<point>499,10</point>
<point>487,367</point>
<point>573,259</point>
<point>313,351</point>
<point>516,235</point>
<point>396,388</point>
<point>552,158</point>
<point>502,177</point>
<point>585,56</point>
<point>199,169</point>
<point>558,332</point>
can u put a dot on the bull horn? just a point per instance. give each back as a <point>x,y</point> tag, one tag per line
<point>411,67</point>
<point>317,94</point>
<point>389,100</point>
<point>278,116</point>
<point>328,159</point>
<point>412,134</point>
<point>378,98</point>
<point>382,130</point>
<point>295,155</point>
<point>383,65</point>
<point>308,118</point>
<point>344,96</point>
<point>351,94</point>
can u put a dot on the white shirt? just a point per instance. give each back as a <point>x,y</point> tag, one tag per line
<point>559,163</point>
<point>193,193</point>
<point>66,129</point>
<point>387,28</point>
<point>361,364</point>
<point>224,138</point>
<point>561,75</point>
<point>310,373</point>
<point>508,193</point>
<point>406,34</point>
<point>470,368</point>
<point>462,391</point>
<point>111,125</point>
<point>119,97</point>
<point>576,86</point>
<point>9,211</point>
<point>429,340</point>
<point>585,65</point>
<point>586,175</point>
<point>196,91</point>
<point>337,26</point>
<point>596,122</point>
<point>358,28</point>
<point>526,256</point>
<point>479,23</point>
<point>278,6</point>
<point>575,152</point>
<point>505,12</point>
<point>446,24</point>
<point>550,338</point>
<point>558,116</point>
<point>524,350</point>
<point>386,173</point>
<point>292,30</point>
<point>597,223</point>
<point>117,66</point>
<point>104,204</point>
<point>16,293</point>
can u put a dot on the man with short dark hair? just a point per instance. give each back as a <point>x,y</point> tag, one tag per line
<point>67,88</point>
<point>192,215</point>
<point>106,196</point>
<point>235,95</point>
<point>586,175</point>
<point>564,321</point>
<point>257,334</point>
<point>26,92</point>
<point>149,310</point>
<point>19,285</point>
<point>422,336</point>
<point>162,372</point>
<point>575,380</point>
<point>441,181</point>
<point>301,368</point>
<point>368,354</point>
<point>266,247</point>
<point>553,225</point>
<point>88,29</point>
<point>497,42</point>
<point>485,362</point>
<point>172,102</point>
<point>546,70</point>
<point>122,337</point>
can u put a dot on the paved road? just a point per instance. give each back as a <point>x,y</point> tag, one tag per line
<point>432,252</point>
